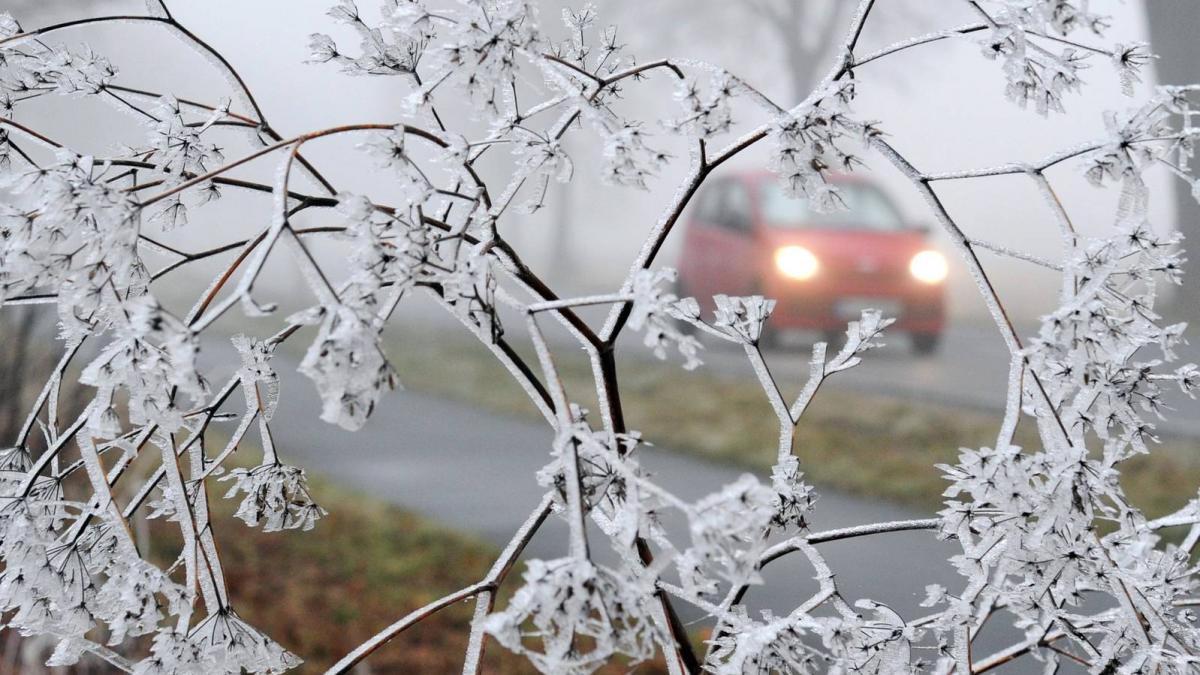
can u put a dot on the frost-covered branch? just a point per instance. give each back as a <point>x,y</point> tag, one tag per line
<point>1049,541</point>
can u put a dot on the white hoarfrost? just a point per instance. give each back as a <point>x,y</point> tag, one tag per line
<point>1051,547</point>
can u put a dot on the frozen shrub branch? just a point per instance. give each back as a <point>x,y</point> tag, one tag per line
<point>78,235</point>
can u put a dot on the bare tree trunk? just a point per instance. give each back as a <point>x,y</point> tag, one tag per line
<point>1174,25</point>
<point>14,366</point>
<point>806,61</point>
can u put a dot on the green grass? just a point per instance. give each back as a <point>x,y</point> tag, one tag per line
<point>875,445</point>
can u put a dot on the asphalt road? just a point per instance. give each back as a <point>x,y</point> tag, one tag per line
<point>969,369</point>
<point>474,471</point>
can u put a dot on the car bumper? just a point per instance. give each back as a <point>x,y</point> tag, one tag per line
<point>917,308</point>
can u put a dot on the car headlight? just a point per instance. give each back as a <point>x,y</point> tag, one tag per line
<point>796,262</point>
<point>929,267</point>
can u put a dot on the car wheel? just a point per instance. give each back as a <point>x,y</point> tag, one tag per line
<point>924,344</point>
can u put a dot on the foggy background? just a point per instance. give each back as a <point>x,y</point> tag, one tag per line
<point>942,105</point>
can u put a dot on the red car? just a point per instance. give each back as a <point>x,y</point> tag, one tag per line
<point>745,236</point>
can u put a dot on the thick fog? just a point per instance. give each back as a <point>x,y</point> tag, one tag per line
<point>942,105</point>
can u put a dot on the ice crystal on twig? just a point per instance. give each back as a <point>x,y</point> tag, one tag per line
<point>276,497</point>
<point>1048,541</point>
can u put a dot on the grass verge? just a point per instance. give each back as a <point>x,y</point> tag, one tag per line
<point>868,444</point>
<point>322,593</point>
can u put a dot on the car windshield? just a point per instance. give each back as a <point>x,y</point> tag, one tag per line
<point>867,208</point>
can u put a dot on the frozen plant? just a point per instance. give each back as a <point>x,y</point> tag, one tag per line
<point>1050,545</point>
